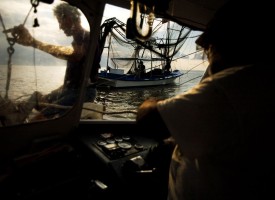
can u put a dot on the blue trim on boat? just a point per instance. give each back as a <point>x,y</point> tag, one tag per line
<point>134,77</point>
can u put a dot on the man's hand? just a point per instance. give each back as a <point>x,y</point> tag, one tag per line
<point>149,120</point>
<point>22,35</point>
<point>148,107</point>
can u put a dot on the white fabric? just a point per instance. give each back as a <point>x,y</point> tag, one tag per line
<point>222,130</point>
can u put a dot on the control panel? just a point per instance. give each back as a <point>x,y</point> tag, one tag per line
<point>130,162</point>
<point>117,146</point>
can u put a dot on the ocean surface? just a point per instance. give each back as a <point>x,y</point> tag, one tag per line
<point>119,103</point>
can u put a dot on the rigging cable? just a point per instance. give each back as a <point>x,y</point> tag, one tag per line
<point>35,3</point>
<point>193,77</point>
<point>34,65</point>
<point>90,109</point>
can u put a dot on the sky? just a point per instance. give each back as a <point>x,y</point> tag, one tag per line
<point>111,11</point>
<point>48,31</point>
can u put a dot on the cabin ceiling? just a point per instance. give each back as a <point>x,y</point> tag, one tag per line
<point>193,13</point>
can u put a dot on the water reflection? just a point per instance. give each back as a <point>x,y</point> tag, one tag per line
<point>125,100</point>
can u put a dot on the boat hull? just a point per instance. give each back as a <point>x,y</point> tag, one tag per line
<point>129,80</point>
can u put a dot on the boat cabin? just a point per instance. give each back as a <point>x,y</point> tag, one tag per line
<point>89,147</point>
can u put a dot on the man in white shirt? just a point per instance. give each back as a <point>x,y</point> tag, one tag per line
<point>223,127</point>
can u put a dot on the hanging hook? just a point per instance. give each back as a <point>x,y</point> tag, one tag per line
<point>36,24</point>
<point>135,31</point>
<point>35,3</point>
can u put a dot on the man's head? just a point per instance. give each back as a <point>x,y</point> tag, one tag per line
<point>241,31</point>
<point>68,17</point>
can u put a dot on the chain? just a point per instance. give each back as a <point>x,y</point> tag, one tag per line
<point>35,3</point>
<point>10,50</point>
<point>11,41</point>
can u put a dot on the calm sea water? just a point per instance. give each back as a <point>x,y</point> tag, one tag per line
<point>119,102</point>
<point>128,99</point>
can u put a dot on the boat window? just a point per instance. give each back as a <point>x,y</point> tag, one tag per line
<point>132,70</point>
<point>41,57</point>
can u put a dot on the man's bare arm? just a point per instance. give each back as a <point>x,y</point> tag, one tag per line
<point>62,52</point>
<point>24,38</point>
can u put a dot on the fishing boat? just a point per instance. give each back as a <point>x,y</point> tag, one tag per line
<point>154,77</point>
<point>156,55</point>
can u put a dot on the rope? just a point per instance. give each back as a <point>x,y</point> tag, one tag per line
<point>94,110</point>
<point>25,20</point>
<point>34,65</point>
<point>4,28</point>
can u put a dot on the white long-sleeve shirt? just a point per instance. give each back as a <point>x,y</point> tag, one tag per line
<point>223,128</point>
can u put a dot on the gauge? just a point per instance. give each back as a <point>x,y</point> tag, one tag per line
<point>110,141</point>
<point>125,137</point>
<point>124,145</point>
<point>118,139</point>
<point>139,146</point>
<point>101,142</point>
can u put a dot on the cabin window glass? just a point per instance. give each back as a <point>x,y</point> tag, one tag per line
<point>37,67</point>
<point>123,84</point>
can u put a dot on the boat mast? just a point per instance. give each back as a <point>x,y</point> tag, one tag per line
<point>109,51</point>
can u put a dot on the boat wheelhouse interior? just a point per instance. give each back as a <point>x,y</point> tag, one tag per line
<point>91,149</point>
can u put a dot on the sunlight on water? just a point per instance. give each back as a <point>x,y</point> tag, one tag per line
<point>128,99</point>
<point>27,79</point>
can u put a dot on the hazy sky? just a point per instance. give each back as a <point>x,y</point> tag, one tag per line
<point>111,11</point>
<point>48,31</point>
<point>15,12</point>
